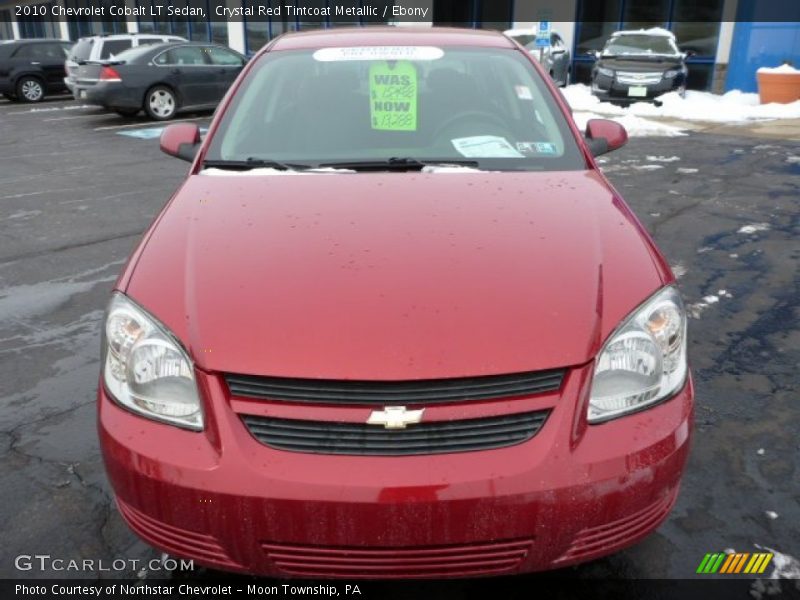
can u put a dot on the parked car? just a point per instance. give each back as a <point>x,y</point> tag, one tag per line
<point>639,65</point>
<point>556,59</point>
<point>394,323</point>
<point>165,79</point>
<point>31,69</point>
<point>83,62</point>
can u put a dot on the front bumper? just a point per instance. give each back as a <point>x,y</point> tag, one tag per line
<point>611,90</point>
<point>570,494</point>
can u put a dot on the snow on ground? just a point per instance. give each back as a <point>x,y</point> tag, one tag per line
<point>755,227</point>
<point>635,126</point>
<point>732,107</point>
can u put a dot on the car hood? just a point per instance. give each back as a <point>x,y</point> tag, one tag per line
<point>394,275</point>
<point>643,64</point>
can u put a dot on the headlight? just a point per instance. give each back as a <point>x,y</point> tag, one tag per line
<point>674,73</point>
<point>643,361</point>
<point>146,370</point>
<point>604,71</point>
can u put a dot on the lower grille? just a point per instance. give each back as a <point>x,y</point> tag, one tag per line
<point>181,542</point>
<point>638,78</point>
<point>424,438</point>
<point>433,561</point>
<point>619,533</point>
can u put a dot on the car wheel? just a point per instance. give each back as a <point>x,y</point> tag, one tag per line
<point>127,112</point>
<point>30,89</point>
<point>160,103</point>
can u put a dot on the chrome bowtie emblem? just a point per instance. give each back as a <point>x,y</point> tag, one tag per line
<point>395,417</point>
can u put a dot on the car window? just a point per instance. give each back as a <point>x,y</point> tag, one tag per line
<point>220,56</point>
<point>55,51</point>
<point>82,50</point>
<point>28,51</point>
<point>184,55</point>
<point>133,53</point>
<point>113,47</point>
<point>314,107</point>
<point>640,44</point>
<point>150,41</point>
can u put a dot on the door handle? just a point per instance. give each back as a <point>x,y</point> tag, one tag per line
<point>35,62</point>
<point>176,71</point>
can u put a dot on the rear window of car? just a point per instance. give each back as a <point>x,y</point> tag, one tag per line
<point>82,50</point>
<point>111,48</point>
<point>133,53</point>
<point>488,106</point>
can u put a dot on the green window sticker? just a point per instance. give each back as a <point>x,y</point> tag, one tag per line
<point>393,96</point>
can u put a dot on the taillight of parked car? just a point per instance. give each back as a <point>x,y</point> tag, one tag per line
<point>109,74</point>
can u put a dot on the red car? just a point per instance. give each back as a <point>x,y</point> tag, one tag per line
<point>394,323</point>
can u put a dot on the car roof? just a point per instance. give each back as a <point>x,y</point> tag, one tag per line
<point>654,31</point>
<point>525,31</point>
<point>391,36</point>
<point>128,36</point>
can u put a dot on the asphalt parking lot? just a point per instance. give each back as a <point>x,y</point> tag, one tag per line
<point>78,188</point>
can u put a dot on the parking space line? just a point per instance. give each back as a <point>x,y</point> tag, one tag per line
<point>165,123</point>
<point>78,117</point>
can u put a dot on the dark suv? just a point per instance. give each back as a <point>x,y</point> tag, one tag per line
<point>31,69</point>
<point>639,65</point>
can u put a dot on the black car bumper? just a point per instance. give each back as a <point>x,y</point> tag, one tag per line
<point>611,90</point>
<point>113,95</point>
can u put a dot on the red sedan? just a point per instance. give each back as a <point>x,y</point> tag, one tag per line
<point>394,323</point>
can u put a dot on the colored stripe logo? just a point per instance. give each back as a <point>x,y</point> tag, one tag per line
<point>735,563</point>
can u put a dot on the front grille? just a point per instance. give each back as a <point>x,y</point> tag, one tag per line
<point>419,392</point>
<point>489,558</point>
<point>634,78</point>
<point>424,438</point>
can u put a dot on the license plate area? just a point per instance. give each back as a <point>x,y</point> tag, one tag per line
<point>637,91</point>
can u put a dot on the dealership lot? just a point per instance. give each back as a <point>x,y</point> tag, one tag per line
<point>78,186</point>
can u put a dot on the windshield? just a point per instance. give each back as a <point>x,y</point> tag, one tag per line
<point>640,44</point>
<point>344,106</point>
<point>82,50</point>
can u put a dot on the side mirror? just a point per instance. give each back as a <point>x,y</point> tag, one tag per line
<point>181,140</point>
<point>593,53</point>
<point>604,135</point>
<point>689,53</point>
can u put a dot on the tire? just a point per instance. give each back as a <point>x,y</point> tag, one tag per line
<point>127,112</point>
<point>30,89</point>
<point>160,103</point>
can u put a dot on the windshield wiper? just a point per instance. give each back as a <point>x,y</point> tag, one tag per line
<point>398,164</point>
<point>253,163</point>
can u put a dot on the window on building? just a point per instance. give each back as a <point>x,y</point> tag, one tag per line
<point>6,31</point>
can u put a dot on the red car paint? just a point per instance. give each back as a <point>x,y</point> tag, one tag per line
<point>530,271</point>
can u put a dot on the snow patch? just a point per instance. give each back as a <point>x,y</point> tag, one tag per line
<point>679,270</point>
<point>784,566</point>
<point>732,107</point>
<point>648,167</point>
<point>784,68</point>
<point>686,170</point>
<point>771,514</point>
<point>635,126</point>
<point>792,159</point>
<point>755,227</point>
<point>665,159</point>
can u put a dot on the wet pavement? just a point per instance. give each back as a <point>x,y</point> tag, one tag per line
<point>75,196</point>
